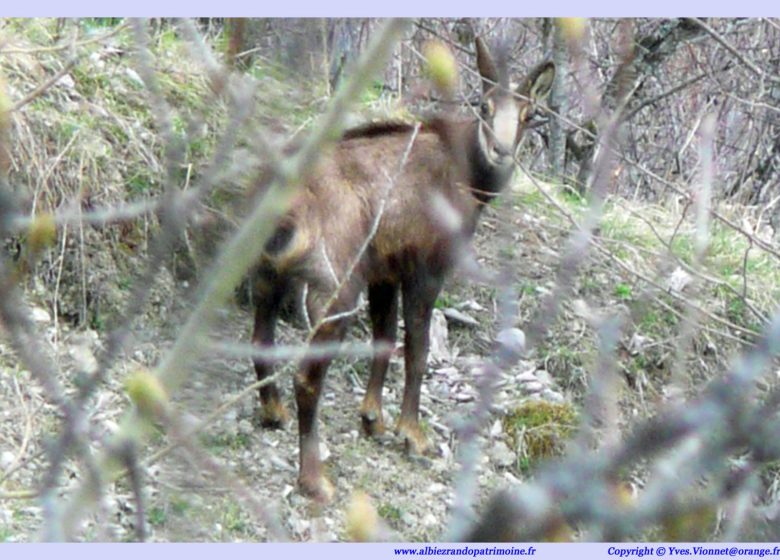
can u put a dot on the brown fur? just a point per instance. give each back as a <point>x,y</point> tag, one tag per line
<point>411,252</point>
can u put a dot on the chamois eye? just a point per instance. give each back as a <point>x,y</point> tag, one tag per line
<point>484,109</point>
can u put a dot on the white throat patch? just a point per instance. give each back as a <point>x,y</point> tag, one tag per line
<point>505,124</point>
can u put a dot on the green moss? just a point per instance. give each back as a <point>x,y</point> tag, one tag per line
<point>226,441</point>
<point>35,30</point>
<point>80,123</point>
<point>263,71</point>
<point>390,513</point>
<point>657,321</point>
<point>497,202</point>
<point>530,198</point>
<point>180,505</point>
<point>589,285</point>
<point>373,93</point>
<point>157,516</point>
<point>99,24</point>
<point>697,524</point>
<point>739,313</point>
<point>443,301</point>
<point>562,362</point>
<point>183,94</point>
<point>683,247</point>
<point>615,225</point>
<point>623,253</point>
<point>528,288</point>
<point>647,365</point>
<point>524,464</point>
<point>141,183</point>
<point>572,198</point>
<point>5,534</point>
<point>167,39</point>
<point>124,283</point>
<point>234,519</point>
<point>508,252</point>
<point>88,82</point>
<point>623,292</point>
<point>97,322</point>
<point>539,429</point>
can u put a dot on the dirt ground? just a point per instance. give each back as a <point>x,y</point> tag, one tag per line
<point>411,496</point>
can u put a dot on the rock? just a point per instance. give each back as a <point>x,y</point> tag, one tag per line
<point>280,463</point>
<point>533,387</point>
<point>408,518</point>
<point>460,317</point>
<point>553,396</point>
<point>7,459</point>
<point>512,341</point>
<point>544,377</point>
<point>496,429</point>
<point>40,315</point>
<point>245,427</point>
<point>500,454</point>
<point>678,280</point>
<point>440,428</point>
<point>512,479</point>
<point>134,77</point>
<point>299,525</point>
<point>470,361</point>
<point>526,377</point>
<point>66,81</point>
<point>439,345</point>
<point>447,371</point>
<point>637,344</point>
<point>471,305</point>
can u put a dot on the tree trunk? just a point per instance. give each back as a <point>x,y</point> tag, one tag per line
<point>558,107</point>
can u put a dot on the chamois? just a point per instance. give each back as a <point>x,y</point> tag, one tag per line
<point>375,192</point>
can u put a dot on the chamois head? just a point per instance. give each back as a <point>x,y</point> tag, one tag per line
<point>503,112</point>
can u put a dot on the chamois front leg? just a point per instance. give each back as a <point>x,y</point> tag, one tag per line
<point>268,296</point>
<point>383,309</point>
<point>419,295</point>
<point>308,388</point>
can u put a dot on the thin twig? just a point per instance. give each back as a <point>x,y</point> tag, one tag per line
<point>41,89</point>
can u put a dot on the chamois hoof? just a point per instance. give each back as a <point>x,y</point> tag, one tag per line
<point>318,488</point>
<point>273,417</point>
<point>415,442</point>
<point>373,425</point>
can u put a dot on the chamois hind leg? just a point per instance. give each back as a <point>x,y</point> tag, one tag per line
<point>308,387</point>
<point>383,309</point>
<point>420,289</point>
<point>269,292</point>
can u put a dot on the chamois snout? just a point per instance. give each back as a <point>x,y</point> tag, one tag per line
<point>500,153</point>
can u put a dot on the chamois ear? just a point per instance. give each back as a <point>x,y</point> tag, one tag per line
<point>539,81</point>
<point>487,68</point>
